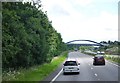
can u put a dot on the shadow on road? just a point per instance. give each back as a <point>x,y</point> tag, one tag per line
<point>71,74</point>
<point>98,65</point>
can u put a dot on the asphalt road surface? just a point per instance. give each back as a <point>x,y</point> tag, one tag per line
<point>89,72</point>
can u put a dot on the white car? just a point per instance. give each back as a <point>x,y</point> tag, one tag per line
<point>71,66</point>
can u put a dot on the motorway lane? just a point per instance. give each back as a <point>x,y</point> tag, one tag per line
<point>88,72</point>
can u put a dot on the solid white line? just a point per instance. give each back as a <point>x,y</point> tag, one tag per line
<point>56,76</point>
<point>112,63</point>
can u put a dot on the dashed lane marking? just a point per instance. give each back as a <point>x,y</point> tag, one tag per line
<point>96,74</point>
<point>91,68</point>
<point>98,79</point>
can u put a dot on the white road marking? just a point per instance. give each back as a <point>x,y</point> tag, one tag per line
<point>98,79</point>
<point>89,64</point>
<point>95,74</point>
<point>56,76</point>
<point>91,68</point>
<point>112,63</point>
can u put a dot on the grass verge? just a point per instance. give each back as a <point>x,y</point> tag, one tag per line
<point>114,59</point>
<point>36,73</point>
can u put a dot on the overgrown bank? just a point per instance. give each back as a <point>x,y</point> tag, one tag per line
<point>113,58</point>
<point>36,73</point>
<point>28,37</point>
<point>108,57</point>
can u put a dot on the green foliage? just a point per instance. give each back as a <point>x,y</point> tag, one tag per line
<point>113,58</point>
<point>35,73</point>
<point>83,48</point>
<point>28,36</point>
<point>111,48</point>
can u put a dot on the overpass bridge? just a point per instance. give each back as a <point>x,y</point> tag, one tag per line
<point>71,44</point>
<point>94,43</point>
<point>83,45</point>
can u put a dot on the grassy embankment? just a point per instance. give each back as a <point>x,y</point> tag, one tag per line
<point>36,73</point>
<point>113,58</point>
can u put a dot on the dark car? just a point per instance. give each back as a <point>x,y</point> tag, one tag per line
<point>76,49</point>
<point>98,60</point>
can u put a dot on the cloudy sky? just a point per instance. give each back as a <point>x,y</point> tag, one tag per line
<point>84,19</point>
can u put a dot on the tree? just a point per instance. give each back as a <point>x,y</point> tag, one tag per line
<point>28,36</point>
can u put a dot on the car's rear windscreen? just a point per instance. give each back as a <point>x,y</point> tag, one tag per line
<point>70,63</point>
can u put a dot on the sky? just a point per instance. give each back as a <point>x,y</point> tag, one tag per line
<point>95,20</point>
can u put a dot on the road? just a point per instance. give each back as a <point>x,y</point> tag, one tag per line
<point>89,72</point>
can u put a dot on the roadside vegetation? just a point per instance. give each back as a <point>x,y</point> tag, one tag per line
<point>111,50</point>
<point>113,58</point>
<point>28,39</point>
<point>36,73</point>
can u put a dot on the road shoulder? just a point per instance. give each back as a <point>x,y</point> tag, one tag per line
<point>53,74</point>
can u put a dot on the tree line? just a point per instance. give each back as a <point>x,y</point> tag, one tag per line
<point>112,47</point>
<point>28,37</point>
